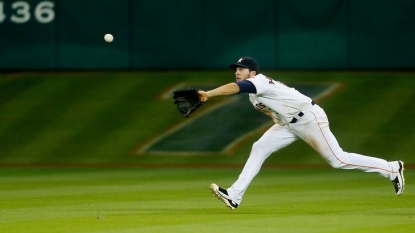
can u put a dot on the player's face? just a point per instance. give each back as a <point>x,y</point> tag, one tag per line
<point>242,73</point>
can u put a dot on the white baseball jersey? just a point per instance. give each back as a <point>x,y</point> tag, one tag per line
<point>276,99</point>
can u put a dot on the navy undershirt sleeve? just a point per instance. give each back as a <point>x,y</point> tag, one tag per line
<point>246,86</point>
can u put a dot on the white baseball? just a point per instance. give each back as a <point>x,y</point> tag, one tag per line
<point>108,38</point>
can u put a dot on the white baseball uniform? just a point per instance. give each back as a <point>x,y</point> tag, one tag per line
<point>296,116</point>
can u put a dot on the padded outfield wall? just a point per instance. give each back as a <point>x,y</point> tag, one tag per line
<point>206,34</point>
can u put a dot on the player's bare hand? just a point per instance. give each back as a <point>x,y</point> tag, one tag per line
<point>203,96</point>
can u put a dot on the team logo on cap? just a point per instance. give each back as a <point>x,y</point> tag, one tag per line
<point>240,60</point>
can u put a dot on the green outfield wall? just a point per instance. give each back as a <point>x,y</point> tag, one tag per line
<point>206,34</point>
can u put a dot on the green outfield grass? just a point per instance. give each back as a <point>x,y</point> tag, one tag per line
<point>179,200</point>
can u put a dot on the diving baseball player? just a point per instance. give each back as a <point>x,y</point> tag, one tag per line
<point>295,116</point>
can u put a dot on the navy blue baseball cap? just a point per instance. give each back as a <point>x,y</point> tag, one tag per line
<point>246,62</point>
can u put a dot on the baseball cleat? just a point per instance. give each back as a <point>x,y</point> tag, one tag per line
<point>223,196</point>
<point>399,181</point>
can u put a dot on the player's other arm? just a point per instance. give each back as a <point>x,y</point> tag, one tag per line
<point>228,89</point>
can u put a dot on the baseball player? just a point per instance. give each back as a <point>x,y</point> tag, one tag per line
<point>295,116</point>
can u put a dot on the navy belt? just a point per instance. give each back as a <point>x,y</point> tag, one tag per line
<point>300,114</point>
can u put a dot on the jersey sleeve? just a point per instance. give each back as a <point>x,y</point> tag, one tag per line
<point>246,86</point>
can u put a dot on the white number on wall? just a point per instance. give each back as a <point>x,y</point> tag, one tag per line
<point>43,12</point>
<point>22,14</point>
<point>2,15</point>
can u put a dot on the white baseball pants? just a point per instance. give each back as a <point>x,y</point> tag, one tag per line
<point>313,128</point>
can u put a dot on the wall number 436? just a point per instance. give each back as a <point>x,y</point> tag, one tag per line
<point>21,12</point>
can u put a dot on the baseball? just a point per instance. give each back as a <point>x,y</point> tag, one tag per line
<point>108,38</point>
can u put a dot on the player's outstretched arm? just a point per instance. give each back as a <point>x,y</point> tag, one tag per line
<point>227,89</point>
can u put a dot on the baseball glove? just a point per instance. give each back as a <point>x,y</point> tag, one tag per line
<point>187,101</point>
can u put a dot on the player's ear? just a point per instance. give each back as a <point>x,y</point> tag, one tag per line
<point>252,73</point>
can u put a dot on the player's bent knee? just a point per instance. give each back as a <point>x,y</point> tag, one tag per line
<point>260,146</point>
<point>261,150</point>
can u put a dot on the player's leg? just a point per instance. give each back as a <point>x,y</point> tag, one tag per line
<point>273,139</point>
<point>314,129</point>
